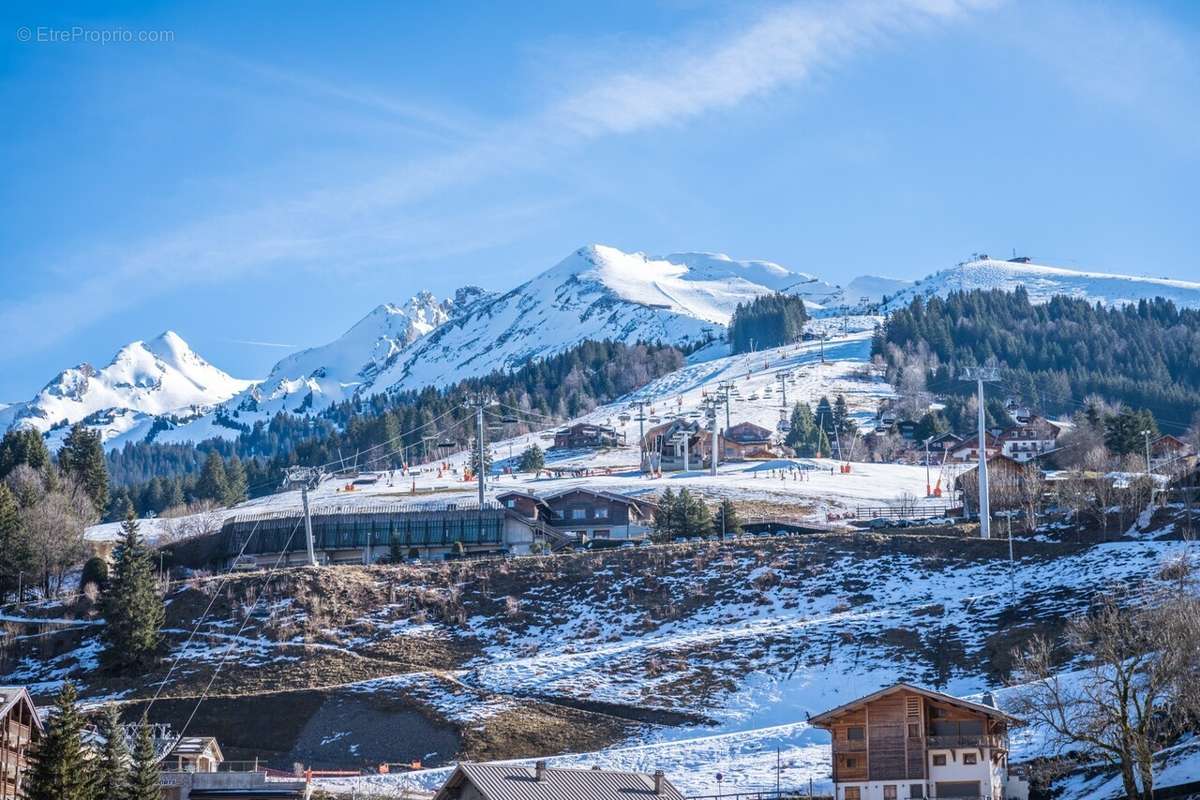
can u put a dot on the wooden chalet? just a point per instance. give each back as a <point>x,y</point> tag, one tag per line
<point>20,731</point>
<point>585,435</point>
<point>746,441</point>
<point>1029,439</point>
<point>676,445</point>
<point>587,514</point>
<point>905,742</point>
<point>194,754</point>
<point>1005,483</point>
<point>968,449</point>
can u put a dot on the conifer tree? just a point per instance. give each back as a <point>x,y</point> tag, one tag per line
<point>133,609</point>
<point>14,545</point>
<point>235,482</point>
<point>113,765</point>
<point>61,770</point>
<point>696,519</point>
<point>144,777</point>
<point>532,460</point>
<point>824,418</point>
<point>727,521</point>
<point>801,431</point>
<point>23,446</point>
<point>665,515</point>
<point>82,456</point>
<point>213,484</point>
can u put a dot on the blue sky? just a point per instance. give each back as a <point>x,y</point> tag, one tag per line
<point>274,171</point>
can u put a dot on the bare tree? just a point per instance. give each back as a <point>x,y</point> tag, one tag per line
<point>53,526</point>
<point>1031,484</point>
<point>1137,684</point>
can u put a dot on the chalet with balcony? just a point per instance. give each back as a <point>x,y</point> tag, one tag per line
<point>905,742</point>
<point>1029,439</point>
<point>587,514</point>
<point>20,731</point>
<point>584,435</point>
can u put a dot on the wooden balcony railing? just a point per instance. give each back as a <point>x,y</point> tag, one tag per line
<point>978,740</point>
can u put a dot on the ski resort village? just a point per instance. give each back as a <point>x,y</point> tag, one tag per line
<point>682,526</point>
<point>771,400</point>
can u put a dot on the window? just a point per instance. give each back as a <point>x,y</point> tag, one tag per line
<point>578,513</point>
<point>914,731</point>
<point>853,793</point>
<point>889,793</point>
<point>970,758</point>
<point>851,763</point>
<point>916,791</point>
<point>602,513</point>
<point>855,734</point>
<point>939,760</point>
<point>510,503</point>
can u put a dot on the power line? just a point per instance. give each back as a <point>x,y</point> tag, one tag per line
<point>245,622</point>
<point>199,622</point>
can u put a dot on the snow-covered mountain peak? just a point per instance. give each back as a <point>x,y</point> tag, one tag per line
<point>1043,282</point>
<point>160,376</point>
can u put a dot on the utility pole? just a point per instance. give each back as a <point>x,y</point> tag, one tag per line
<point>1149,472</point>
<point>928,487</point>
<point>712,419</point>
<point>307,478</point>
<point>979,375</point>
<point>479,440</point>
<point>641,421</point>
<point>479,403</point>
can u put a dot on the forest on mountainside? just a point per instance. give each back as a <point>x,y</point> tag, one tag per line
<point>1054,355</point>
<point>154,476</point>
<point>769,320</point>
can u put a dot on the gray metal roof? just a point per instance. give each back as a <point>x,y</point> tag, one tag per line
<point>520,782</point>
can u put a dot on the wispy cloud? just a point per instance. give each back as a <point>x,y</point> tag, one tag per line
<point>783,48</point>
<point>357,224</point>
<point>253,343</point>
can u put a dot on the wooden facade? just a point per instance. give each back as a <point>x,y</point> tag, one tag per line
<point>902,739</point>
<point>20,730</point>
<point>583,435</point>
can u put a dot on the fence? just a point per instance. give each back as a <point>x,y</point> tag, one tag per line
<point>922,511</point>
